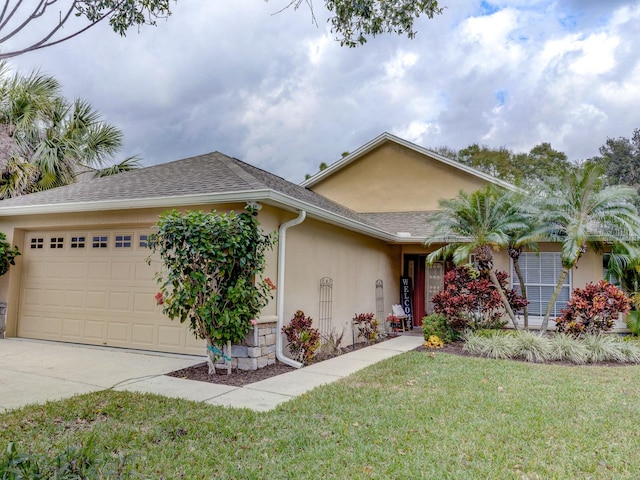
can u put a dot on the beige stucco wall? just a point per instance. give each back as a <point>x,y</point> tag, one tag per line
<point>393,178</point>
<point>354,262</point>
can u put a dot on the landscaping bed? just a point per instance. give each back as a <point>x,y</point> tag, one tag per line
<point>240,378</point>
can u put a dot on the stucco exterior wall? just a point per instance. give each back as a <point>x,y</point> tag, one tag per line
<point>354,262</point>
<point>393,178</point>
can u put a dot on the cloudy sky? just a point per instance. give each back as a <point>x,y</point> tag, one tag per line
<point>277,91</point>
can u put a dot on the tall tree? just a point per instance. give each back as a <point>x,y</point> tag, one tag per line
<point>577,210</point>
<point>621,159</point>
<point>477,223</point>
<point>496,162</point>
<point>541,161</point>
<point>45,140</point>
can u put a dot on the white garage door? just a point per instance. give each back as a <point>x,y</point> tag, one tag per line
<point>95,287</point>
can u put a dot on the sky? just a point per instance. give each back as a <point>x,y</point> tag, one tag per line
<point>277,91</point>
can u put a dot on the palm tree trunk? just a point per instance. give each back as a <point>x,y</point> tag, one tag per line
<point>552,301</point>
<point>503,297</point>
<point>523,290</point>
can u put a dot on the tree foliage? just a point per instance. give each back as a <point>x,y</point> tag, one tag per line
<point>54,19</point>
<point>46,140</point>
<point>519,168</point>
<point>354,21</point>
<point>212,267</point>
<point>620,158</point>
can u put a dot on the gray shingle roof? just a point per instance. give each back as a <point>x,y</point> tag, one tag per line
<point>212,173</point>
<point>414,223</point>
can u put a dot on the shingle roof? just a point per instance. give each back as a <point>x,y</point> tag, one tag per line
<point>414,223</point>
<point>212,173</point>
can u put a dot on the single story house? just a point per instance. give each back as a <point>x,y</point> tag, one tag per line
<point>350,233</point>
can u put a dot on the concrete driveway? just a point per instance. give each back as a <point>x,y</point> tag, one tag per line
<point>33,371</point>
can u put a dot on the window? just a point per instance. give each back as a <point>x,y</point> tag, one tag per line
<point>123,241</point>
<point>37,243</point>
<point>143,241</point>
<point>56,242</point>
<point>100,241</point>
<point>77,242</point>
<point>540,274</point>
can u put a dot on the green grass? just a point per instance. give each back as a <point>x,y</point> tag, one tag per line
<point>413,416</point>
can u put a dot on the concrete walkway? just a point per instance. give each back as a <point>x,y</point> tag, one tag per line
<point>35,372</point>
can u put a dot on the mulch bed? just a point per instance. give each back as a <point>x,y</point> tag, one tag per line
<point>240,378</point>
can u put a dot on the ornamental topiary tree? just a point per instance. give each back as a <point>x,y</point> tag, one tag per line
<point>211,278</point>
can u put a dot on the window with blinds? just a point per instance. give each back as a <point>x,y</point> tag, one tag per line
<point>540,272</point>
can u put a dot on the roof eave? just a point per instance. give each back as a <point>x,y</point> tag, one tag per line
<point>267,196</point>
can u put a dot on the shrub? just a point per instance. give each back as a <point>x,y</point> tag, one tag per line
<point>8,254</point>
<point>603,348</point>
<point>568,348</point>
<point>436,324</point>
<point>367,326</point>
<point>303,340</point>
<point>531,347</point>
<point>593,309</point>
<point>470,300</point>
<point>496,346</point>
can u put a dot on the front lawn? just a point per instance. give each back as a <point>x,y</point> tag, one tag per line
<point>418,415</point>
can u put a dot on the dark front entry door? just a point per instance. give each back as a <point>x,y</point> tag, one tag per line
<point>426,280</point>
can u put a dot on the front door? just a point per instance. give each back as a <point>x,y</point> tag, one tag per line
<point>426,281</point>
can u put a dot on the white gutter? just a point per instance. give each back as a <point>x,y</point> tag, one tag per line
<point>282,240</point>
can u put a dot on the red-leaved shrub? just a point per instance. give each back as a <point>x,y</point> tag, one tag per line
<point>470,300</point>
<point>593,309</point>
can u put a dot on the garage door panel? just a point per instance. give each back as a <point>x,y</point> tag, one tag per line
<point>118,333</point>
<point>119,302</point>
<point>170,336</point>
<point>52,297</point>
<point>98,296</point>
<point>144,272</point>
<point>96,300</point>
<point>94,330</point>
<point>144,335</point>
<point>98,271</point>
<point>73,328</point>
<point>74,299</point>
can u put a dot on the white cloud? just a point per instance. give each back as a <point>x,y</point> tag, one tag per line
<point>279,92</point>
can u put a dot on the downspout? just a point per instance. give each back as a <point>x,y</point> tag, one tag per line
<point>282,240</point>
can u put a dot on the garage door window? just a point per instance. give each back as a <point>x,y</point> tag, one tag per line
<point>37,243</point>
<point>123,241</point>
<point>56,242</point>
<point>77,242</point>
<point>100,241</point>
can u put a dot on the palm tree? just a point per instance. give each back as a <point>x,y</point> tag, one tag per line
<point>577,210</point>
<point>45,140</point>
<point>477,223</point>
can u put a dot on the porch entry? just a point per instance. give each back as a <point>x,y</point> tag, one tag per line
<point>426,281</point>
